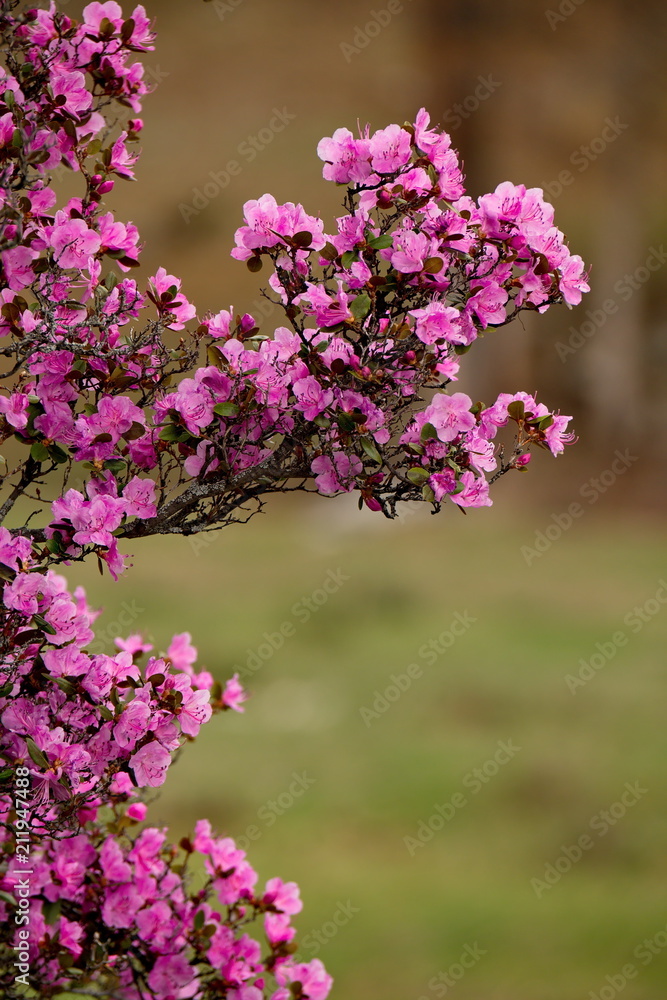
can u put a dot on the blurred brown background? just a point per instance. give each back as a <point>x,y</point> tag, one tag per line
<point>567,95</point>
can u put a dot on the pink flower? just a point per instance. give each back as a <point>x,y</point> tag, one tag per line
<point>345,158</point>
<point>95,13</point>
<point>410,251</point>
<point>234,695</point>
<point>15,410</point>
<point>112,862</point>
<point>450,415</point>
<point>17,265</point>
<point>390,149</point>
<point>488,303</point>
<point>315,981</point>
<point>173,978</point>
<point>336,475</point>
<point>182,653</point>
<point>311,398</point>
<point>132,725</point>
<point>572,281</point>
<point>121,904</point>
<point>475,492</point>
<point>283,895</point>
<point>73,243</point>
<point>150,764</point>
<point>442,483</point>
<point>436,321</point>
<point>70,93</point>
<point>556,436</point>
<point>139,495</point>
<point>194,711</point>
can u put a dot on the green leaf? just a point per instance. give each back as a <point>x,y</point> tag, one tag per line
<point>418,475</point>
<point>173,434</point>
<point>36,754</point>
<point>44,625</point>
<point>516,410</point>
<point>39,452</point>
<point>428,494</point>
<point>105,713</point>
<point>115,465</point>
<point>65,685</point>
<point>371,450</point>
<point>381,242</point>
<point>428,433</point>
<point>51,911</point>
<point>345,422</point>
<point>349,258</point>
<point>545,422</point>
<point>361,306</point>
<point>227,409</point>
<point>433,265</point>
<point>58,454</point>
<point>200,920</point>
<point>254,264</point>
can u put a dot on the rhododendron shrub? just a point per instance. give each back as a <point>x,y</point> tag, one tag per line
<point>124,414</point>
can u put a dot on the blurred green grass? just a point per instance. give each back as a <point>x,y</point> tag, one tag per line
<point>503,679</point>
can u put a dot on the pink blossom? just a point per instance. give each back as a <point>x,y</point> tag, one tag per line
<point>17,265</point>
<point>488,303</point>
<point>390,149</point>
<point>315,981</point>
<point>442,483</point>
<point>234,694</point>
<point>134,644</point>
<point>410,251</point>
<point>112,862</point>
<point>71,94</point>
<point>121,904</point>
<point>73,243</point>
<point>139,495</point>
<point>475,492</point>
<point>450,415</point>
<point>182,653</point>
<point>436,321</point>
<point>150,764</point>
<point>283,895</point>
<point>346,158</point>
<point>311,398</point>
<point>194,711</point>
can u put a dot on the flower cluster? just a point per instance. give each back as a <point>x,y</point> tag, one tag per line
<point>143,418</point>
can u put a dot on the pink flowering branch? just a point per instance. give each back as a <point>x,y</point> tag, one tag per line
<point>132,417</point>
